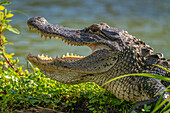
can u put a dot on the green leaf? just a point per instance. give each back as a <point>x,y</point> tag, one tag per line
<point>140,74</point>
<point>133,112</point>
<point>7,21</point>
<point>94,111</point>
<point>162,67</point>
<point>91,109</point>
<point>7,43</point>
<point>9,15</point>
<point>2,7</point>
<point>93,100</point>
<point>1,62</point>
<point>166,108</point>
<point>1,47</point>
<point>3,38</point>
<point>5,3</point>
<point>33,101</point>
<point>14,30</point>
<point>160,105</point>
<point>159,101</point>
<point>100,107</point>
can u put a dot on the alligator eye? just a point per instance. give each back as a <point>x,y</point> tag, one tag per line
<point>94,29</point>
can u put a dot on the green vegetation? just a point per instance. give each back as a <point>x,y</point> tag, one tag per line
<point>21,89</point>
<point>4,25</point>
<point>34,89</point>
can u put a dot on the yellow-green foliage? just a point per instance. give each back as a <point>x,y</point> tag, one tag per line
<point>35,89</point>
<point>5,18</point>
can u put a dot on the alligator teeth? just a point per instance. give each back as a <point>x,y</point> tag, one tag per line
<point>42,57</point>
<point>48,35</point>
<point>67,55</point>
<point>71,56</point>
<point>45,37</point>
<point>30,28</point>
<point>41,35</point>
<point>63,56</point>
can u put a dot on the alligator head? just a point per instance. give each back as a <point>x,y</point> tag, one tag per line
<point>103,40</point>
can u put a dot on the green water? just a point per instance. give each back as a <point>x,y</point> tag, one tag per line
<point>145,19</point>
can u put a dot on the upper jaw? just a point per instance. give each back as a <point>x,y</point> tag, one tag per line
<point>88,36</point>
<point>73,36</point>
<point>95,34</point>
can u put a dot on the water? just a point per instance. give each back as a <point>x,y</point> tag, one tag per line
<point>145,19</point>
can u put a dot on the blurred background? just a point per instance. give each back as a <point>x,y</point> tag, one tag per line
<point>148,20</point>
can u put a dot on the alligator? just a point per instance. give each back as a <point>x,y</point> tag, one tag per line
<point>114,53</point>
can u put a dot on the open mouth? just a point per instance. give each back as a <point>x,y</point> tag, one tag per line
<point>78,37</point>
<point>68,57</point>
<point>102,58</point>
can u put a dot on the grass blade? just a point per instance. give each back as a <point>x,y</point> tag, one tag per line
<point>160,105</point>
<point>162,67</point>
<point>140,74</point>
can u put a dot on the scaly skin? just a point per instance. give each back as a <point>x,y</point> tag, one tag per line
<point>114,53</point>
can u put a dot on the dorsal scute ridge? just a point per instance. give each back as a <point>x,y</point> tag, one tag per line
<point>143,50</point>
